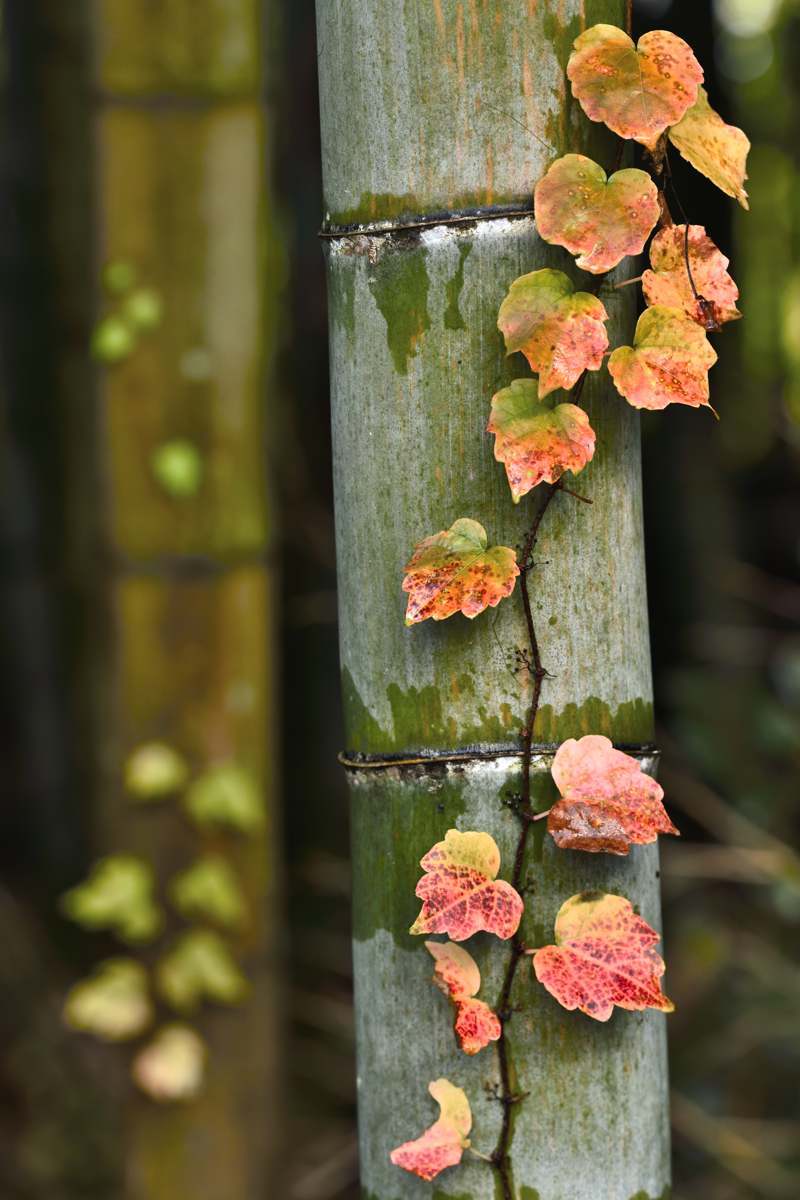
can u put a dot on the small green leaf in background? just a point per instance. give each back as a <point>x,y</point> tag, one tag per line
<point>171,1067</point>
<point>200,967</point>
<point>178,467</point>
<point>113,340</point>
<point>209,889</point>
<point>155,770</point>
<point>113,1003</point>
<point>118,895</point>
<point>226,795</point>
<point>144,309</point>
<point>118,276</point>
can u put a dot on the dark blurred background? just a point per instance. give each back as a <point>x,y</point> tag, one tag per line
<point>723,547</point>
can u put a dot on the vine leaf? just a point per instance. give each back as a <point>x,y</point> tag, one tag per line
<point>460,891</point>
<point>456,974</point>
<point>155,770</point>
<point>200,967</point>
<point>445,1141</point>
<point>603,957</point>
<point>455,571</point>
<point>209,889</point>
<point>560,331</point>
<point>113,1003</point>
<point>598,218</point>
<point>668,282</point>
<point>171,1067</point>
<point>667,364</point>
<point>537,442</point>
<point>715,149</point>
<point>118,895</point>
<point>637,91</point>
<point>608,803</point>
<point>226,795</point>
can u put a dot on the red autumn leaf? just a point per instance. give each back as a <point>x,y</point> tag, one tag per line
<point>668,282</point>
<point>667,364</point>
<point>455,571</point>
<point>715,149</point>
<point>460,891</point>
<point>638,91</point>
<point>445,1141</point>
<point>457,975</point>
<point>608,803</point>
<point>560,331</point>
<point>603,957</point>
<point>599,219</point>
<point>537,442</point>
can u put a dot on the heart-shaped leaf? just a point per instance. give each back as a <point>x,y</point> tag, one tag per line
<point>113,1003</point>
<point>443,1144</point>
<point>456,571</point>
<point>560,331</point>
<point>668,282</point>
<point>460,891</point>
<point>603,957</point>
<point>608,803</point>
<point>118,895</point>
<point>599,219</point>
<point>715,149</point>
<point>635,90</point>
<point>537,442</point>
<point>457,975</point>
<point>667,364</point>
<point>171,1067</point>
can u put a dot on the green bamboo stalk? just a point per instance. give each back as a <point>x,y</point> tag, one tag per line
<point>446,108</point>
<point>181,597</point>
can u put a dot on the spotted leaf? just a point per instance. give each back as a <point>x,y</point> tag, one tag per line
<point>171,1067</point>
<point>668,284</point>
<point>637,91</point>
<point>460,890</point>
<point>596,218</point>
<point>444,1142</point>
<point>667,364</point>
<point>715,149</point>
<point>603,957</point>
<point>457,975</point>
<point>607,802</point>
<point>456,571</point>
<point>537,442</point>
<point>560,331</point>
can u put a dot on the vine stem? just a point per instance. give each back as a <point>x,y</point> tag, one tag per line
<point>508,1098</point>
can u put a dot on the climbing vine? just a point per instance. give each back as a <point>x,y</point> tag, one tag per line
<point>603,954</point>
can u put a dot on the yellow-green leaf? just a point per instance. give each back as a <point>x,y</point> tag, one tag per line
<point>113,1003</point>
<point>118,895</point>
<point>715,149</point>
<point>226,795</point>
<point>200,966</point>
<point>155,770</point>
<point>209,889</point>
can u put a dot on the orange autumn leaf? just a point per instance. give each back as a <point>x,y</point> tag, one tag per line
<point>668,284</point>
<point>607,802</point>
<point>460,890</point>
<point>560,331</point>
<point>443,1144</point>
<point>537,442</point>
<point>597,218</point>
<point>456,571</point>
<point>637,91</point>
<point>456,974</point>
<point>715,149</point>
<point>603,957</point>
<point>667,364</point>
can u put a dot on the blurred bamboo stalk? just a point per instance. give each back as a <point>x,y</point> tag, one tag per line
<point>173,534</point>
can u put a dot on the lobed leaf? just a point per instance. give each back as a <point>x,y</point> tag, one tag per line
<point>200,967</point>
<point>113,1003</point>
<point>599,219</point>
<point>456,974</point>
<point>667,364</point>
<point>715,149</point>
<point>443,1144</point>
<point>455,571</point>
<point>537,442</point>
<point>171,1067</point>
<point>226,795</point>
<point>603,957</point>
<point>460,892</point>
<point>608,803</point>
<point>668,284</point>
<point>560,331</point>
<point>637,91</point>
<point>118,895</point>
<point>209,889</point>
